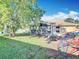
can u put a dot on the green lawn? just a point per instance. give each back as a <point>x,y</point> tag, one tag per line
<point>25,47</point>
<point>21,48</point>
<point>35,40</point>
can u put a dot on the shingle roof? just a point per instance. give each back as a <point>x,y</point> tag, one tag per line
<point>61,22</point>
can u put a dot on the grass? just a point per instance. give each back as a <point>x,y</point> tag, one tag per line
<point>20,48</point>
<point>24,47</point>
<point>35,40</point>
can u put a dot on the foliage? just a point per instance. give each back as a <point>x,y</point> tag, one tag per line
<point>70,20</point>
<point>17,14</point>
<point>3,15</point>
<point>77,21</point>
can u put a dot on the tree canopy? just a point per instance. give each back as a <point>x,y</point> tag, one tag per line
<point>17,14</point>
<point>70,20</point>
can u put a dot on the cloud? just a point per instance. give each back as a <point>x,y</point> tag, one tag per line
<point>46,18</point>
<point>62,15</point>
<point>73,14</point>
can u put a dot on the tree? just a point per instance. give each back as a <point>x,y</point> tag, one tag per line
<point>31,17</point>
<point>77,21</point>
<point>36,16</point>
<point>9,18</point>
<point>19,14</point>
<point>70,20</point>
<point>3,15</point>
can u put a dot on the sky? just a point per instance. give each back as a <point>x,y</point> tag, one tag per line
<point>54,6</point>
<point>60,8</point>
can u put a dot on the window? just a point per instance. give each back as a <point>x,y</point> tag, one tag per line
<point>57,31</point>
<point>57,27</point>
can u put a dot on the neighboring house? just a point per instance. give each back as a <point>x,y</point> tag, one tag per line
<point>61,26</point>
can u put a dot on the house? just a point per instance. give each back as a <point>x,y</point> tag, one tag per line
<point>61,26</point>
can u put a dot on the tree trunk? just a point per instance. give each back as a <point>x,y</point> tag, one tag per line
<point>10,35</point>
<point>13,33</point>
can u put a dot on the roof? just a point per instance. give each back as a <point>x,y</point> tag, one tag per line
<point>61,22</point>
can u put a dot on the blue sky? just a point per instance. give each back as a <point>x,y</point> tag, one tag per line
<point>54,6</point>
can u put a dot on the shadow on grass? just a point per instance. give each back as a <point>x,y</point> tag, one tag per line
<point>22,34</point>
<point>12,49</point>
<point>27,34</point>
